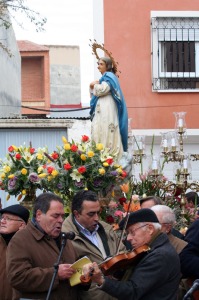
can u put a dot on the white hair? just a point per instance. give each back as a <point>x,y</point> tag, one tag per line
<point>164,214</point>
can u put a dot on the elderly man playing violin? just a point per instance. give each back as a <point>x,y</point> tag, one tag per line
<point>154,275</point>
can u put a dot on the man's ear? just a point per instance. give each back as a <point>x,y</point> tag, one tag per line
<point>22,226</point>
<point>38,214</point>
<point>76,214</point>
<point>151,228</point>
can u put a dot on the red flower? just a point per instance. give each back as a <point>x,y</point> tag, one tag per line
<point>109,219</point>
<point>67,166</point>
<point>10,149</point>
<point>74,148</point>
<point>124,174</point>
<point>85,138</point>
<point>55,155</point>
<point>122,200</point>
<point>50,169</point>
<point>81,170</point>
<point>32,150</point>
<point>18,156</point>
<point>109,161</point>
<point>44,166</point>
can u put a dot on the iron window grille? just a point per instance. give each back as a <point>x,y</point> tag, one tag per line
<point>175,53</point>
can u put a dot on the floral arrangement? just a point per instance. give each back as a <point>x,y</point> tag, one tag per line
<point>19,171</point>
<point>85,165</point>
<point>121,203</point>
<point>71,167</point>
<point>148,185</point>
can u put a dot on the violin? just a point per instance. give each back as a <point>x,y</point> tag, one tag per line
<point>122,260</point>
<point>118,262</point>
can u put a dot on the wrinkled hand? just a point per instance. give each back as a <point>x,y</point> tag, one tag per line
<point>65,271</point>
<point>92,270</point>
<point>93,83</point>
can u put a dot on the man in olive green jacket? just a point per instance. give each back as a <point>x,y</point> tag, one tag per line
<point>93,238</point>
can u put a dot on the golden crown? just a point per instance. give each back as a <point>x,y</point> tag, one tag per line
<point>96,46</point>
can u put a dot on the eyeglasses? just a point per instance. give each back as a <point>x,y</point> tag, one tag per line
<point>7,219</point>
<point>134,231</point>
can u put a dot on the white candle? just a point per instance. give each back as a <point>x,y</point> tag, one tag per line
<point>154,165</point>
<point>173,142</point>
<point>140,145</point>
<point>185,164</point>
<point>165,144</point>
<point>180,123</point>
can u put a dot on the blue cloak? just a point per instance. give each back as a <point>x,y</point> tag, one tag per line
<point>117,95</point>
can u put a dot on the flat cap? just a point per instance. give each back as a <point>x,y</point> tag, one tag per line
<point>141,215</point>
<point>17,210</point>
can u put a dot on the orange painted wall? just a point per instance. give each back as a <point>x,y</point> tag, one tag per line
<point>127,35</point>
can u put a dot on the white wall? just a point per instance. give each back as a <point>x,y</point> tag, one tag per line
<point>10,82</point>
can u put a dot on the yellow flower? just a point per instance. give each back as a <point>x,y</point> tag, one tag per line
<point>99,146</point>
<point>42,175</point>
<point>11,176</point>
<point>8,197</point>
<point>119,170</point>
<point>90,154</point>
<point>102,171</point>
<point>50,178</point>
<point>67,146</point>
<point>24,171</point>
<point>55,173</point>
<point>6,169</point>
<point>15,148</point>
<point>3,175</point>
<point>105,164</point>
<point>116,166</point>
<point>64,140</point>
<point>40,169</point>
<point>23,192</point>
<point>39,156</point>
<point>83,157</point>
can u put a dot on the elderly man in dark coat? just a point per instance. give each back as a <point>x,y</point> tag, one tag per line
<point>156,275</point>
<point>13,218</point>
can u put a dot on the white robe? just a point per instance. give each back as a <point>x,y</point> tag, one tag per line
<point>105,124</point>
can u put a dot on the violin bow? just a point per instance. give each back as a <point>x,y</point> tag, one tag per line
<point>124,228</point>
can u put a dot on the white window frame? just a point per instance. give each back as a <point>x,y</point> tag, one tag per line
<point>156,45</point>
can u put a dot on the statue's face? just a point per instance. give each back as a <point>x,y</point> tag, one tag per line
<point>102,66</point>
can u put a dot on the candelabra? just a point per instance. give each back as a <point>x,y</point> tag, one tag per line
<point>172,145</point>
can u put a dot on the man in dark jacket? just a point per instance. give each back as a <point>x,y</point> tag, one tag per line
<point>156,275</point>
<point>189,256</point>
<point>33,252</point>
<point>13,218</point>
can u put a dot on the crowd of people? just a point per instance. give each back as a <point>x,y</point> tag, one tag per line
<point>164,264</point>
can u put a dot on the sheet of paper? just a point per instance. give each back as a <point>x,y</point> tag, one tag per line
<point>78,265</point>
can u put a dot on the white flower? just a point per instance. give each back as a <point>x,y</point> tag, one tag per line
<point>76,175</point>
